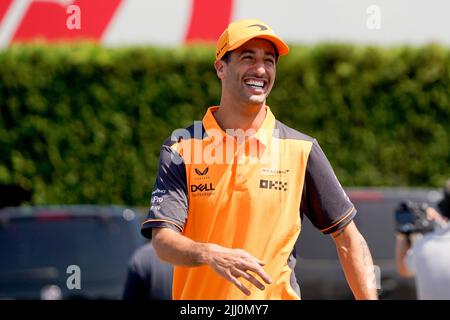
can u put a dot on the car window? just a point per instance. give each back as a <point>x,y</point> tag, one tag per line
<point>100,248</point>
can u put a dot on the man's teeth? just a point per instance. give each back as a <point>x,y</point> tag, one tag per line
<point>255,83</point>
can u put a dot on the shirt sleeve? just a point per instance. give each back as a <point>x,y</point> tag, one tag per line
<point>169,199</point>
<point>324,201</point>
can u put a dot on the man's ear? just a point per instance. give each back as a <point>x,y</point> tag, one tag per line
<point>220,66</point>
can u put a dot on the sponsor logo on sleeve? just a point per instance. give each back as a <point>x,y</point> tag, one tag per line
<point>158,191</point>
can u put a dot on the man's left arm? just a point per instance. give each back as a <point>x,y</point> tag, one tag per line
<point>356,261</point>
<point>330,210</point>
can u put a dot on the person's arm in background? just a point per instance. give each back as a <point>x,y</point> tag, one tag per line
<point>356,262</point>
<point>404,255</point>
<point>231,264</point>
<point>403,244</point>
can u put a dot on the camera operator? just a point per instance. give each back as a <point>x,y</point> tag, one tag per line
<point>427,256</point>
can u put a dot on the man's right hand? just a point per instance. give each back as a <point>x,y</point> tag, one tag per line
<point>231,264</point>
<point>235,263</point>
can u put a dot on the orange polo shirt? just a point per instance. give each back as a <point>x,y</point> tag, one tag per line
<point>244,193</point>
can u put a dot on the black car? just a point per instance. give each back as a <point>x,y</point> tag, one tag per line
<point>66,252</point>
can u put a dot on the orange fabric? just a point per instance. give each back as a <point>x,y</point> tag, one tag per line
<point>239,32</point>
<point>243,203</point>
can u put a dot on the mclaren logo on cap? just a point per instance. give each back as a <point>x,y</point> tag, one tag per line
<point>260,26</point>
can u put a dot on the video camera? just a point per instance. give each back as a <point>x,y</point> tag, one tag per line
<point>411,217</point>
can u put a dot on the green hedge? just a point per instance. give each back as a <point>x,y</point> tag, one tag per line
<point>83,124</point>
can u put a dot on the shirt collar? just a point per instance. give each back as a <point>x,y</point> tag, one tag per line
<point>263,134</point>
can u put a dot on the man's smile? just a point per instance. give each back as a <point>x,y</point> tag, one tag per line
<point>257,84</point>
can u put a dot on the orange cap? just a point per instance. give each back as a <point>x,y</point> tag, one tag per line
<point>239,32</point>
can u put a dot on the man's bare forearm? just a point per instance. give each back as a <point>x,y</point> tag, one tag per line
<point>356,261</point>
<point>177,249</point>
<point>401,249</point>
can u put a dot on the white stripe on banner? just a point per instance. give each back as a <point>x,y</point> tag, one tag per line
<point>384,22</point>
<point>12,20</point>
<point>14,17</point>
<point>143,22</point>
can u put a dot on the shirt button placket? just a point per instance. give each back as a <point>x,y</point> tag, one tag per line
<point>240,163</point>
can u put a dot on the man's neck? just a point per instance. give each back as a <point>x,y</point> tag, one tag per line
<point>240,117</point>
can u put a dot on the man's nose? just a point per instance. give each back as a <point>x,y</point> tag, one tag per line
<point>260,68</point>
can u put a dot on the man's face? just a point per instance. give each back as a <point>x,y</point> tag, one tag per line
<point>249,74</point>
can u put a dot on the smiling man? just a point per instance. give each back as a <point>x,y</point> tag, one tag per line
<point>229,223</point>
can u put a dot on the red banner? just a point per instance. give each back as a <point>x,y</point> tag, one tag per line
<point>4,5</point>
<point>48,20</point>
<point>208,19</point>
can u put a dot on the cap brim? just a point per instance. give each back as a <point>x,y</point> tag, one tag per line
<point>281,46</point>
